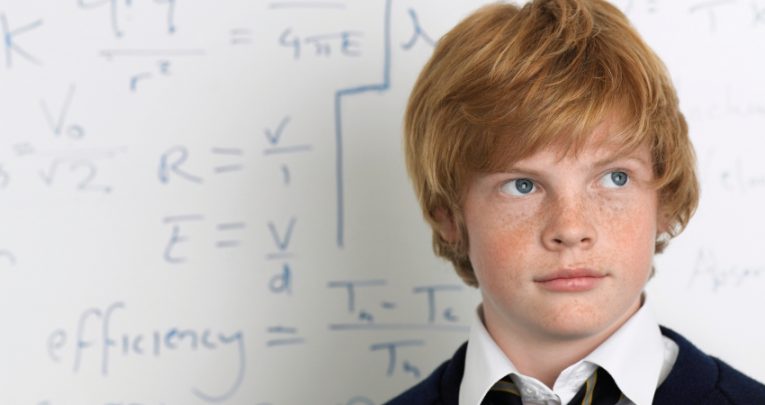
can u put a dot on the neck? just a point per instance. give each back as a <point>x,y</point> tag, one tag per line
<point>546,360</point>
<point>543,355</point>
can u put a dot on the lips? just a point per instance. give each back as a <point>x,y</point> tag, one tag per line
<point>571,280</point>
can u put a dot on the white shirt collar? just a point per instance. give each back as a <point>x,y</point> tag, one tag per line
<point>635,356</point>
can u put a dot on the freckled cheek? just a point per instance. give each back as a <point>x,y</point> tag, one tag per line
<point>497,247</point>
<point>641,224</point>
<point>631,230</point>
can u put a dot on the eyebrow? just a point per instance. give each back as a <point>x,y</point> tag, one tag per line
<point>606,161</point>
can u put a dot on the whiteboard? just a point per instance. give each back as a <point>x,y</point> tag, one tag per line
<point>205,201</point>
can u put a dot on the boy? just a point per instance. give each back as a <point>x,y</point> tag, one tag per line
<point>550,158</point>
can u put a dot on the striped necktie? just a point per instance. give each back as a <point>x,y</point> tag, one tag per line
<point>599,389</point>
<point>504,392</point>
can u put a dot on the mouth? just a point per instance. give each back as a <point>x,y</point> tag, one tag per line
<point>571,280</point>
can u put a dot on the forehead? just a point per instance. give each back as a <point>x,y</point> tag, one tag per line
<point>607,139</point>
<point>590,155</point>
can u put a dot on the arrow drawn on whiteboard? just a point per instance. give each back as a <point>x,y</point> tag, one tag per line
<point>282,242</point>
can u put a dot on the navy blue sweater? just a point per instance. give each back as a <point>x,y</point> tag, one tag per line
<point>695,378</point>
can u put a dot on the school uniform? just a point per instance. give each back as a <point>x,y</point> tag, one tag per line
<point>640,357</point>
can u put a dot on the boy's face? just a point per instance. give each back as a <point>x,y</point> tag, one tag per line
<point>562,247</point>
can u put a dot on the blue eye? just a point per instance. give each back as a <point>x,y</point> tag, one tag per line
<point>615,179</point>
<point>518,187</point>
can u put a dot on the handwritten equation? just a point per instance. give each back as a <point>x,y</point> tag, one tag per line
<point>98,340</point>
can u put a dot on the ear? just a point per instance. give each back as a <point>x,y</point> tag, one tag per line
<point>662,221</point>
<point>662,231</point>
<point>445,225</point>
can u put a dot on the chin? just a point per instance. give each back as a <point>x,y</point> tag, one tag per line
<point>578,326</point>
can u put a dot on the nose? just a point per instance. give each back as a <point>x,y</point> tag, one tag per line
<point>570,224</point>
